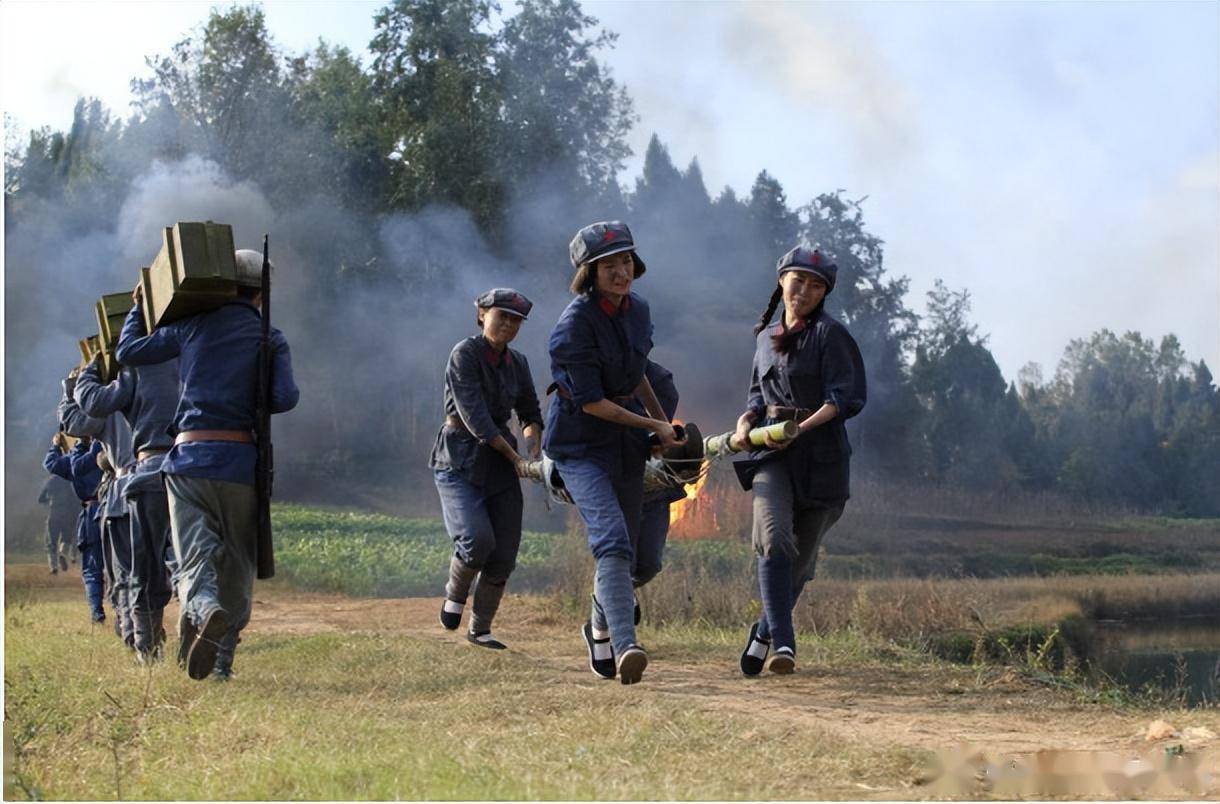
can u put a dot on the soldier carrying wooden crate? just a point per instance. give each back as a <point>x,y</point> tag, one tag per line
<point>210,470</point>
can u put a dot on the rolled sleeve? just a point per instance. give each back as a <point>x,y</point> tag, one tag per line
<point>462,376</point>
<point>575,365</point>
<point>843,373</point>
<point>754,399</point>
<point>526,405</point>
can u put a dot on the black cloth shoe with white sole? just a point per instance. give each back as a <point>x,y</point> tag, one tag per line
<point>601,654</point>
<point>783,662</point>
<point>631,664</point>
<point>451,614</point>
<point>754,657</point>
<point>485,640</point>
<point>201,657</point>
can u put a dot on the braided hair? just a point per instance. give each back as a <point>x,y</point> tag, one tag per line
<point>776,296</point>
<point>785,340</point>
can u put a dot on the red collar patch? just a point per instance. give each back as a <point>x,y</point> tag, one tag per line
<point>609,309</point>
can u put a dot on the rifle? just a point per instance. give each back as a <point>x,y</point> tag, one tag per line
<point>262,430</point>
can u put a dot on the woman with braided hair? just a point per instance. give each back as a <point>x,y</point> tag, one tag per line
<point>807,369</point>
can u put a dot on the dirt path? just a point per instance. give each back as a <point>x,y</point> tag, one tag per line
<point>881,704</point>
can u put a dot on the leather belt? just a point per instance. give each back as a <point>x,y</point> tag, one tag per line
<point>122,472</point>
<point>456,423</point>
<point>151,452</point>
<point>782,414</point>
<point>240,436</point>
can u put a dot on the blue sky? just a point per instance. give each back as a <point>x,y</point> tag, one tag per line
<point>1059,160</point>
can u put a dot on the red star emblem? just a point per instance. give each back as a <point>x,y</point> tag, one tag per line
<point>816,258</point>
<point>608,236</point>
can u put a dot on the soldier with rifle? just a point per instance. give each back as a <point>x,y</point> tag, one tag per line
<point>216,503</point>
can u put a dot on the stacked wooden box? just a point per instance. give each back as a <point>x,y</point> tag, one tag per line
<point>194,272</point>
<point>111,311</point>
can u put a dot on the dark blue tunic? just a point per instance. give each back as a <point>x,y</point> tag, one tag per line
<point>482,390</point>
<point>218,370</point>
<point>823,366</point>
<point>598,352</point>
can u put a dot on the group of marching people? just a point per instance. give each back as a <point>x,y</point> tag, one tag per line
<point>164,470</point>
<point>612,407</point>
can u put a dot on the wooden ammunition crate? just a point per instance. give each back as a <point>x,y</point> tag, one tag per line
<point>111,311</point>
<point>194,272</point>
<point>89,348</point>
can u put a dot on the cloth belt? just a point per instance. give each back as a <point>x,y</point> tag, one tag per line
<point>240,436</point>
<point>782,414</point>
<point>556,388</point>
<point>457,424</point>
<point>151,452</point>
<point>88,502</point>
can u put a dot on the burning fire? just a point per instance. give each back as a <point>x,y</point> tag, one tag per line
<point>679,508</point>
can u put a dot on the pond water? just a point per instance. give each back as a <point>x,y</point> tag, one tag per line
<point>1181,655</point>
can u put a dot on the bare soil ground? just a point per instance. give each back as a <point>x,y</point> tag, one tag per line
<point>932,706</point>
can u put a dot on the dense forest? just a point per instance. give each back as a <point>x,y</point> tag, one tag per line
<point>463,155</point>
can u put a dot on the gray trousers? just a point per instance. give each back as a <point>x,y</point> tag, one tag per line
<point>149,586</point>
<point>116,558</point>
<point>60,530</point>
<point>215,533</point>
<point>786,539</point>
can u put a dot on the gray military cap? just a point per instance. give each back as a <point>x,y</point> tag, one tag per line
<point>602,239</point>
<point>505,299</point>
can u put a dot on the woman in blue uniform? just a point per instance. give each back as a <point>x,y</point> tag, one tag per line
<point>599,351</point>
<point>475,460</point>
<point>807,369</point>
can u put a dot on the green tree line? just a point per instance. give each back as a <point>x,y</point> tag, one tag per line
<point>514,123</point>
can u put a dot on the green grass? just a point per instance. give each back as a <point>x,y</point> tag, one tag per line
<point>367,716</point>
<point>383,556</point>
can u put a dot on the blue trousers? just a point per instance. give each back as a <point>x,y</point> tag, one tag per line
<point>89,542</point>
<point>650,546</point>
<point>610,508</point>
<point>486,529</point>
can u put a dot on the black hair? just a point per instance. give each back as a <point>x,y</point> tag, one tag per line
<point>786,339</point>
<point>248,292</point>
<point>585,278</point>
<point>777,295</point>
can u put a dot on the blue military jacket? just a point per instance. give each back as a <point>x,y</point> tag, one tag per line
<point>79,467</point>
<point>218,372</point>
<point>146,397</point>
<point>114,434</point>
<point>598,352</point>
<point>824,366</point>
<point>482,389</point>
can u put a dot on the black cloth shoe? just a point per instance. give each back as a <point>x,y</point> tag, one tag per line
<point>601,655</point>
<point>451,614</point>
<point>63,562</point>
<point>186,638</point>
<point>99,616</point>
<point>755,655</point>
<point>631,664</point>
<point>485,640</point>
<point>223,671</point>
<point>783,663</point>
<point>201,656</point>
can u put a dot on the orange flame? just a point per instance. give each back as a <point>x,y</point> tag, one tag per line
<point>679,508</point>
